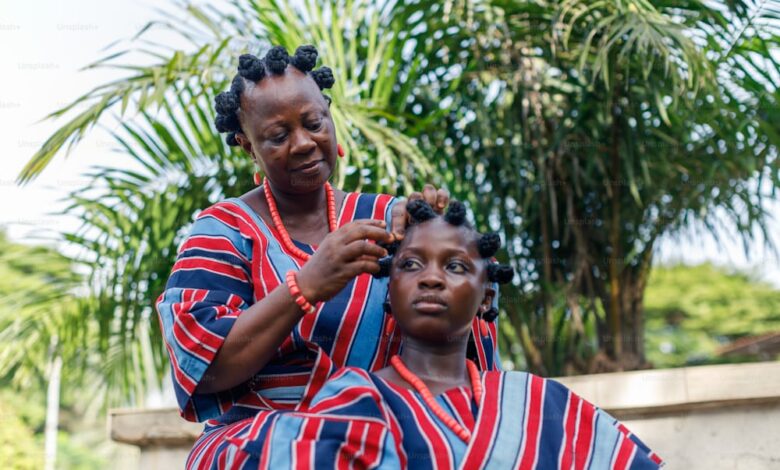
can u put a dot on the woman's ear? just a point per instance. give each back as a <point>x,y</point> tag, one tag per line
<point>244,143</point>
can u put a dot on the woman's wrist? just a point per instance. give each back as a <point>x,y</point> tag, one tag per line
<point>306,303</point>
<point>308,289</point>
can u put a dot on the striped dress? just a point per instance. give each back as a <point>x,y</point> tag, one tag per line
<point>358,420</point>
<point>232,259</point>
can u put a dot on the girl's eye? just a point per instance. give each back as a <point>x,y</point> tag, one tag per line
<point>457,267</point>
<point>408,264</point>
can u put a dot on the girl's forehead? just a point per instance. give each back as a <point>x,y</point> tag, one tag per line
<point>437,235</point>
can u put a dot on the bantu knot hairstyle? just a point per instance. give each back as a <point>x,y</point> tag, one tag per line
<point>487,244</point>
<point>253,69</point>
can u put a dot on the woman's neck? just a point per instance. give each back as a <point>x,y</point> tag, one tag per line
<point>299,205</point>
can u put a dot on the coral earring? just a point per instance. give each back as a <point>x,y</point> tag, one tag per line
<point>257,178</point>
<point>340,150</point>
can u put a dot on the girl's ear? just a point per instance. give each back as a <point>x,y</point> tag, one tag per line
<point>487,301</point>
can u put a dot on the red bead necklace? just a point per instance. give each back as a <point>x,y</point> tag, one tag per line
<point>286,240</point>
<point>427,396</point>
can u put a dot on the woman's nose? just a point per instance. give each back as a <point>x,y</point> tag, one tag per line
<point>302,143</point>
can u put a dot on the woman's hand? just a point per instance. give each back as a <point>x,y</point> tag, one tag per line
<point>437,199</point>
<point>343,255</point>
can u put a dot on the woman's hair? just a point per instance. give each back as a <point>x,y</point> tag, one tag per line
<point>487,244</point>
<point>252,69</point>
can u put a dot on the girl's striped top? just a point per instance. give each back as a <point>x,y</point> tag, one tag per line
<point>232,259</point>
<point>356,419</point>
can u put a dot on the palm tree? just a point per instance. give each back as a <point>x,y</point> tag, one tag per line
<point>582,131</point>
<point>133,220</point>
<point>591,129</point>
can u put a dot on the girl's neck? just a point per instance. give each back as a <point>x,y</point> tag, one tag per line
<point>440,367</point>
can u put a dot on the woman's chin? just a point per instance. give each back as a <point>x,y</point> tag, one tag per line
<point>311,179</point>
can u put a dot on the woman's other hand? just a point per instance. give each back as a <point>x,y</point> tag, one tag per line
<point>438,199</point>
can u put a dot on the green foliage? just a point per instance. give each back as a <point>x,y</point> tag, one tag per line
<point>582,131</point>
<point>22,439</point>
<point>586,130</point>
<point>36,306</point>
<point>691,311</point>
<point>17,440</point>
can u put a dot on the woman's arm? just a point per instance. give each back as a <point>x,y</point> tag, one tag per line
<point>259,330</point>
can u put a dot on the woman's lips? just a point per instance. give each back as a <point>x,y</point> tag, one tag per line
<point>309,167</point>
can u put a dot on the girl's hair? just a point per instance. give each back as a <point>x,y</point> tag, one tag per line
<point>252,69</point>
<point>487,244</point>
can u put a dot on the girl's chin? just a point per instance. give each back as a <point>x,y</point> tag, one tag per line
<point>433,330</point>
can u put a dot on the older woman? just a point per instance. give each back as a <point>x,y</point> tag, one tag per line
<point>282,266</point>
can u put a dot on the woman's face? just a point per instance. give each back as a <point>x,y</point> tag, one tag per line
<point>288,131</point>
<point>437,282</point>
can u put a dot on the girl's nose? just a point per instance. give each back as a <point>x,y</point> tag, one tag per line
<point>431,278</point>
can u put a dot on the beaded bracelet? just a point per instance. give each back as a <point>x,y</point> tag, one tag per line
<point>295,292</point>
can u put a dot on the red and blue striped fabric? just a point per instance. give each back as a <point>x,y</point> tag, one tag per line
<point>230,260</point>
<point>523,422</point>
<point>355,419</point>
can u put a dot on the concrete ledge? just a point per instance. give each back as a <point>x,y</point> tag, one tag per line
<point>713,417</point>
<point>152,427</point>
<point>658,392</point>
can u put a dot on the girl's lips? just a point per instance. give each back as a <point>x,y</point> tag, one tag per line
<point>429,307</point>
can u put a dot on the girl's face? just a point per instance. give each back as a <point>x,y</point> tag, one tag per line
<point>437,283</point>
<point>288,131</point>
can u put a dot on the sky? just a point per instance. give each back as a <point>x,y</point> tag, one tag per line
<point>44,43</point>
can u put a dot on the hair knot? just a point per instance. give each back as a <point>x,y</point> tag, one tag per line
<point>277,59</point>
<point>305,57</point>
<point>323,76</point>
<point>250,67</point>
<point>488,244</point>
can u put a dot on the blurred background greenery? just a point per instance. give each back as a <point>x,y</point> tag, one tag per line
<point>582,131</point>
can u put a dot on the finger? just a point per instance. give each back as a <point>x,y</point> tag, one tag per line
<point>442,200</point>
<point>362,232</point>
<point>360,267</point>
<point>367,222</point>
<point>398,219</point>
<point>429,195</point>
<point>359,248</point>
<point>346,233</point>
<point>415,195</point>
<point>368,258</point>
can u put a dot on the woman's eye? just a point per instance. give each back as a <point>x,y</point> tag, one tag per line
<point>314,126</point>
<point>279,138</point>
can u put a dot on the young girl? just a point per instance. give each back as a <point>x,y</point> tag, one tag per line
<point>432,408</point>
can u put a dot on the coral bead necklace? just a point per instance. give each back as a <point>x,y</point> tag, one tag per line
<point>286,240</point>
<point>427,396</point>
